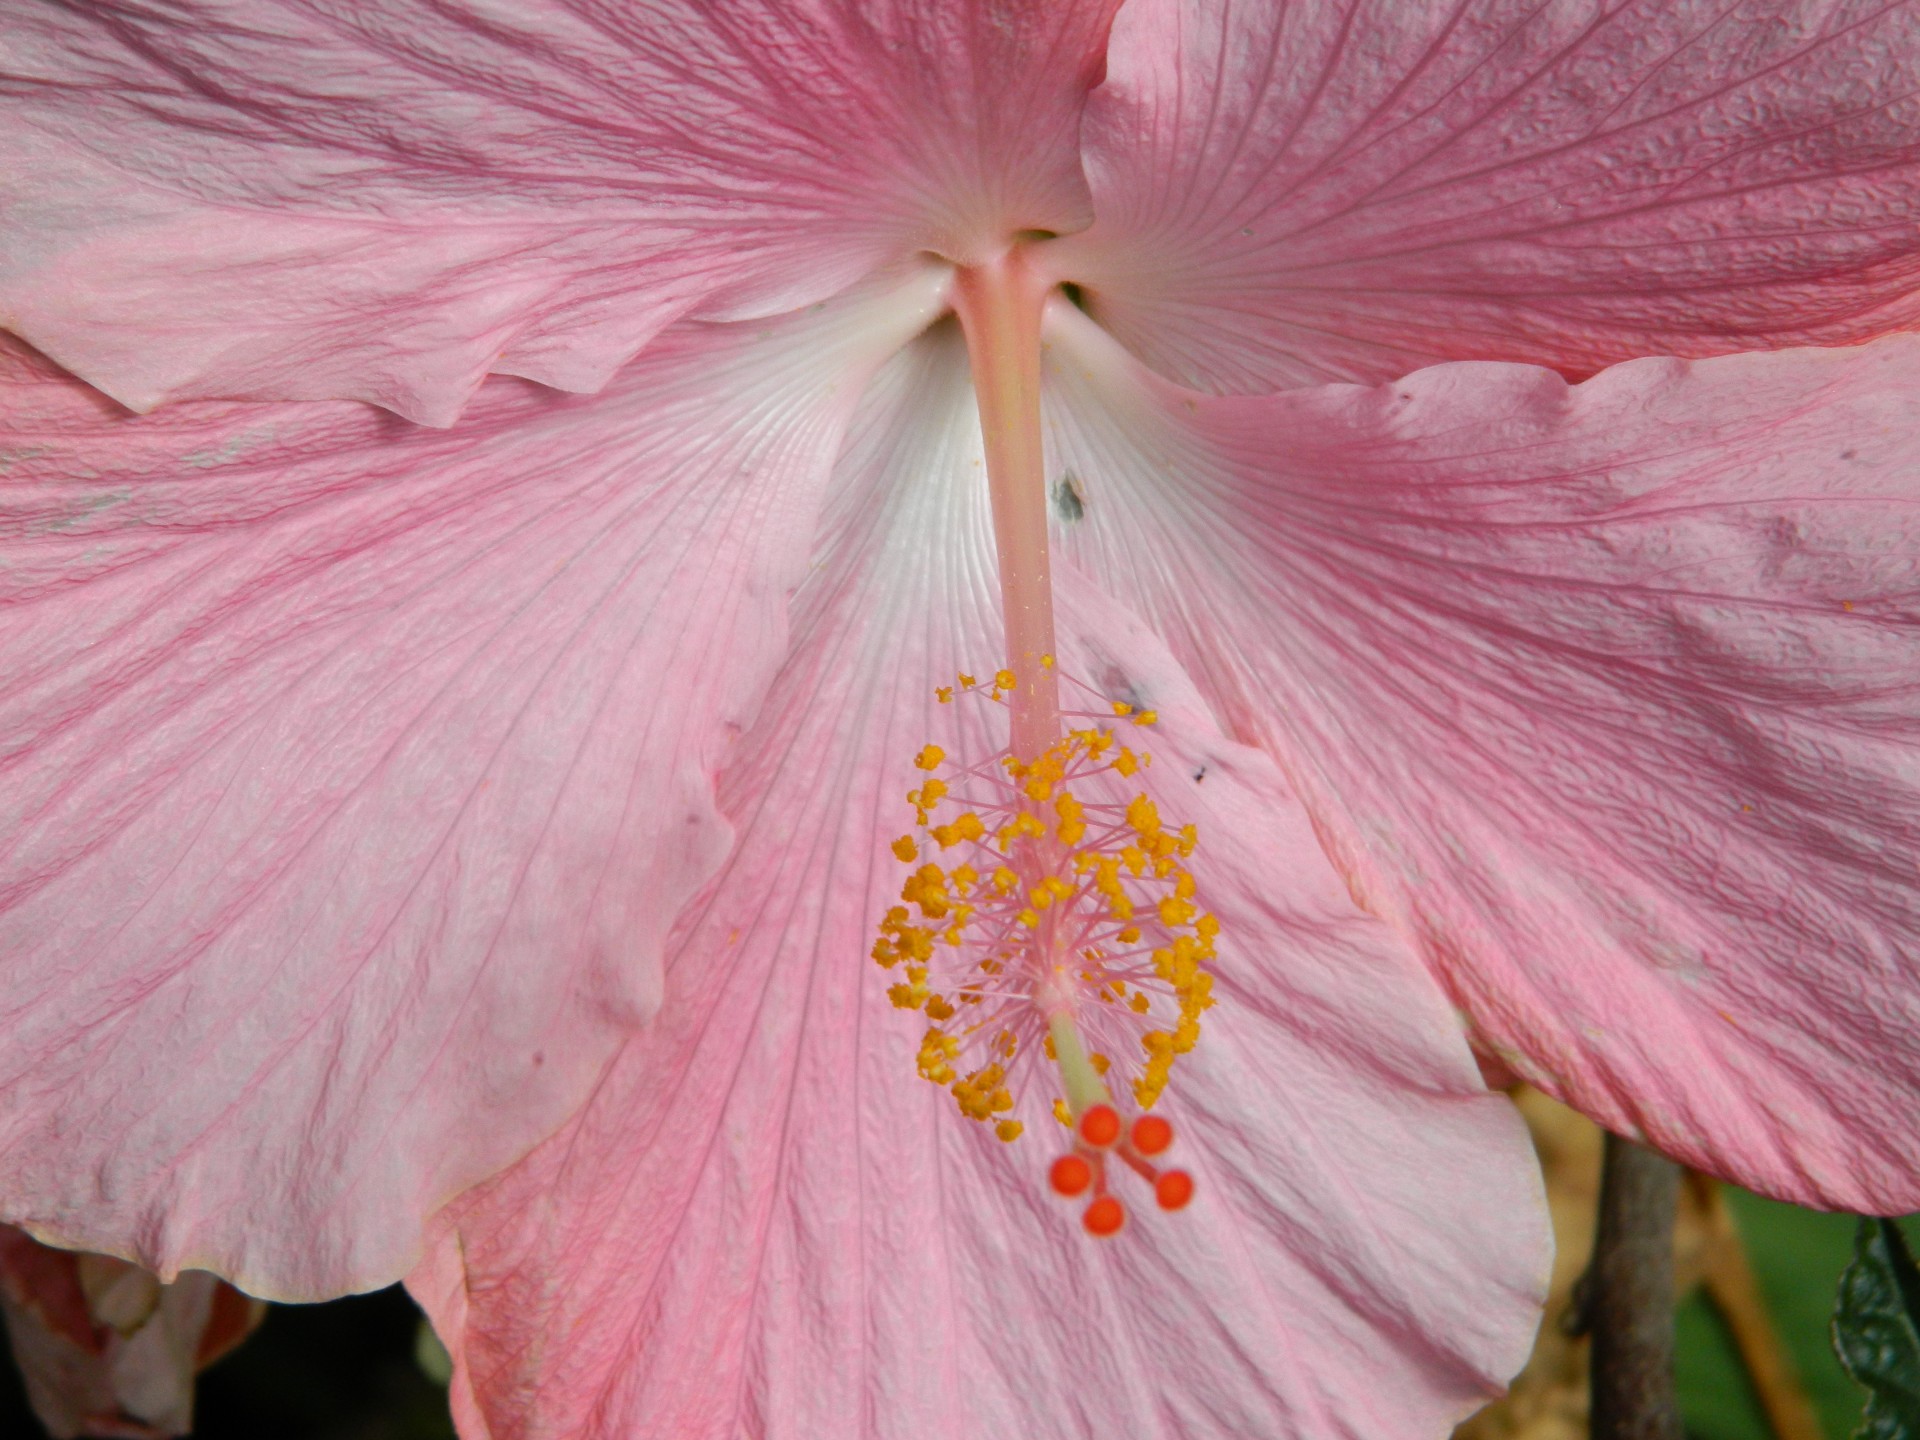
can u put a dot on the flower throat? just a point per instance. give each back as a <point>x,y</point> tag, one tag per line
<point>1048,911</point>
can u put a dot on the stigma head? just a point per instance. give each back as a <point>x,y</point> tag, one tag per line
<point>1099,1140</point>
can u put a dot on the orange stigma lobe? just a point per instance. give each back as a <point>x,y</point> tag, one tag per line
<point>1070,1175</point>
<point>1104,1217</point>
<point>1173,1189</point>
<point>1151,1134</point>
<point>1100,1126</point>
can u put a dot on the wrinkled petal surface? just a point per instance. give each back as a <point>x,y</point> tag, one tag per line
<point>351,775</point>
<point>1604,694</point>
<point>273,199</point>
<point>1291,193</point>
<point>764,1223</point>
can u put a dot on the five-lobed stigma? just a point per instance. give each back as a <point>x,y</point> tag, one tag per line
<point>1048,912</point>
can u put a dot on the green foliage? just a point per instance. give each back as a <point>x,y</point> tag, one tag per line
<point>1796,1255</point>
<point>1876,1330</point>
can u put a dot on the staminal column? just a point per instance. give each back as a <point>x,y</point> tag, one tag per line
<point>999,304</point>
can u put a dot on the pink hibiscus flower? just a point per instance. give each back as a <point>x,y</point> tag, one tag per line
<point>447,839</point>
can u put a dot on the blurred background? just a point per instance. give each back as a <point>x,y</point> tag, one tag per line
<point>1755,1362</point>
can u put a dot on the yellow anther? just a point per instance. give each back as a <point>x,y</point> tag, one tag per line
<point>1142,814</point>
<point>1021,825</point>
<point>1120,707</point>
<point>1046,662</point>
<point>1147,717</point>
<point>1040,921</point>
<point>1061,1113</point>
<point>944,694</point>
<point>965,829</point>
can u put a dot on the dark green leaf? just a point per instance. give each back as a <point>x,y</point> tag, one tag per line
<point>1876,1330</point>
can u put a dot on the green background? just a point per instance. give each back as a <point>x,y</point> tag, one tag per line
<point>1798,1255</point>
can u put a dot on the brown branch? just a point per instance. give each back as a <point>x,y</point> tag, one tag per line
<point>1629,1296</point>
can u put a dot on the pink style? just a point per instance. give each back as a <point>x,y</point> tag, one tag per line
<point>497,500</point>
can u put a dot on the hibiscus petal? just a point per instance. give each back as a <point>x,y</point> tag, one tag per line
<point>1294,193</point>
<point>351,775</point>
<point>1605,694</point>
<point>279,199</point>
<point>104,1348</point>
<point>764,1224</point>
